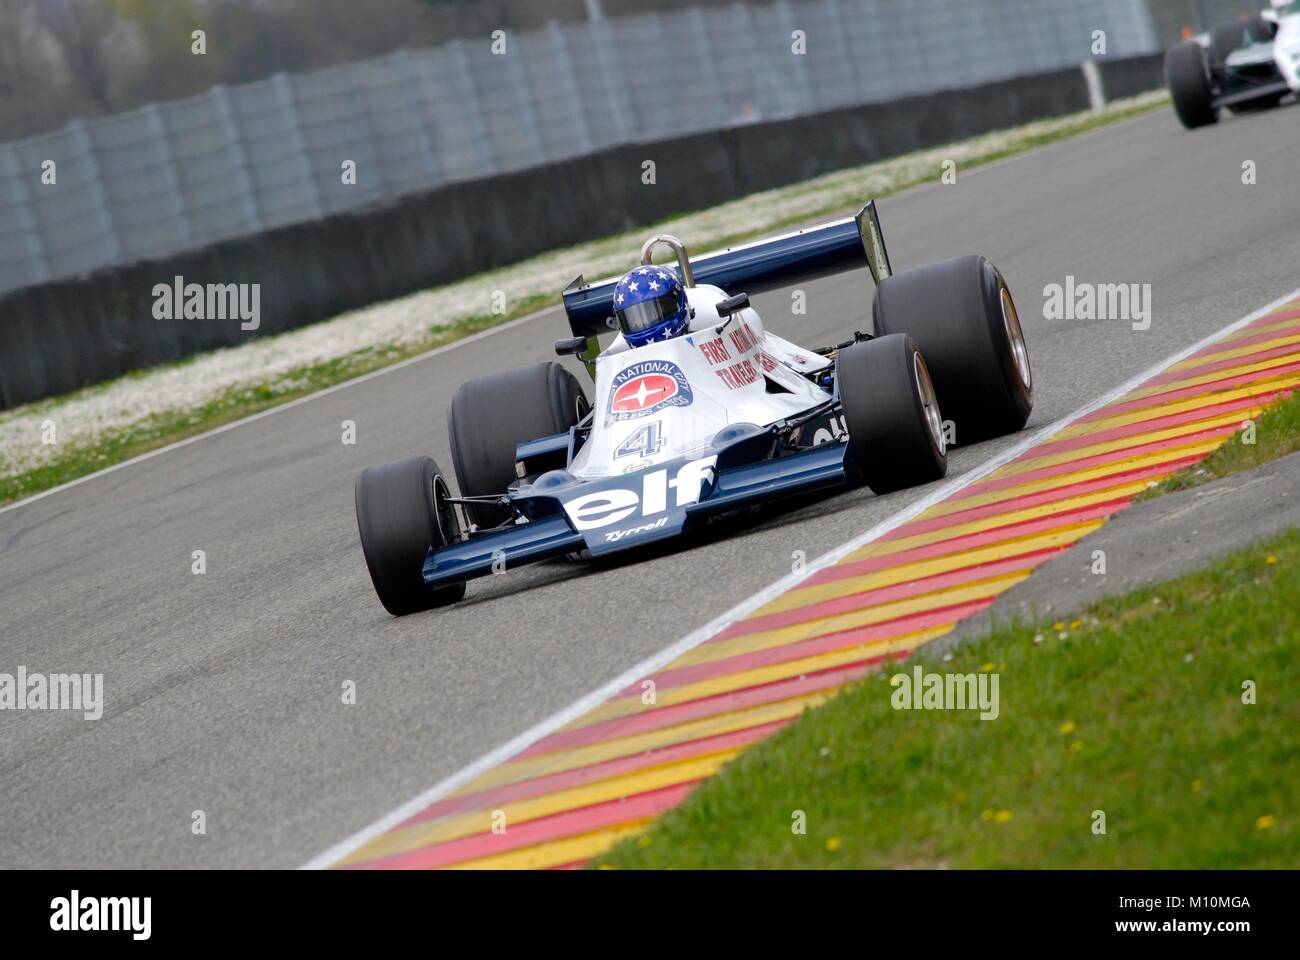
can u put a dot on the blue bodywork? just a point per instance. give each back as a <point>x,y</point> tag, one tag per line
<point>738,481</point>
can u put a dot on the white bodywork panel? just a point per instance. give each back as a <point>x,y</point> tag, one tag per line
<point>664,401</point>
<point>1286,50</point>
<point>1283,49</point>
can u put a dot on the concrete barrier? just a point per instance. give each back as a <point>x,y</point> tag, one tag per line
<point>67,334</point>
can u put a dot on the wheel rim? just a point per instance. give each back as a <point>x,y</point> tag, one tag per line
<point>1016,338</point>
<point>929,403</point>
<point>444,513</point>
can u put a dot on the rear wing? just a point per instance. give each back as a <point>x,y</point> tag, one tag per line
<point>755,268</point>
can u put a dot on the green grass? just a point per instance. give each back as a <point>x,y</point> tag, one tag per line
<point>161,429</point>
<point>1133,707</point>
<point>1277,433</point>
<point>76,461</point>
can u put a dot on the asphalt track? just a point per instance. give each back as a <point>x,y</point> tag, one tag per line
<point>224,691</point>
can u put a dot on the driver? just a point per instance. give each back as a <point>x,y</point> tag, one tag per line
<point>650,306</point>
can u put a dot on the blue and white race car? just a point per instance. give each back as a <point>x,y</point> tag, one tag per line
<point>699,411</point>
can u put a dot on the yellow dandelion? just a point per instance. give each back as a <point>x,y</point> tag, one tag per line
<point>1076,746</point>
<point>1075,624</point>
<point>1002,816</point>
<point>988,667</point>
<point>987,815</point>
<point>1270,559</point>
<point>1266,822</point>
<point>832,844</point>
<point>1058,625</point>
<point>1067,728</point>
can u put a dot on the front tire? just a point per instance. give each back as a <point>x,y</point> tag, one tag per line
<point>402,511</point>
<point>492,415</point>
<point>962,316</point>
<point>892,413</point>
<point>1189,85</point>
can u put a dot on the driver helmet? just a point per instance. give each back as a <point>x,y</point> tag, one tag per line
<point>650,306</point>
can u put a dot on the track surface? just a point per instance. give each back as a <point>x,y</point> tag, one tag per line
<point>224,690</point>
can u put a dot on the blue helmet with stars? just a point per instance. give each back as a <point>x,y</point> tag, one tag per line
<point>650,305</point>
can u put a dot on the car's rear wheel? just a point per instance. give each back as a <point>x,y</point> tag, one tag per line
<point>1224,39</point>
<point>892,413</point>
<point>492,415</point>
<point>402,511</point>
<point>962,316</point>
<point>1260,29</point>
<point>1189,85</point>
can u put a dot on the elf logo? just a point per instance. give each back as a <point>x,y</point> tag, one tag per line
<point>591,511</point>
<point>642,388</point>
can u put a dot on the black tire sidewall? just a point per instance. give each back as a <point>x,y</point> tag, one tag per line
<point>490,416</point>
<point>397,521</point>
<point>953,310</point>
<point>1188,80</point>
<point>889,438</point>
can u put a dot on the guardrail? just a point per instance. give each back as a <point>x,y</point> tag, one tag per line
<point>243,160</point>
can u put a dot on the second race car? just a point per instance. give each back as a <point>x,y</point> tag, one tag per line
<point>1249,64</point>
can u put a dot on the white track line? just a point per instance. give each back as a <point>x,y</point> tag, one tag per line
<point>768,593</point>
<point>372,375</point>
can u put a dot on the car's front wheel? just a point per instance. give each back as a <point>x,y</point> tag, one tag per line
<point>892,414</point>
<point>402,511</point>
<point>1189,85</point>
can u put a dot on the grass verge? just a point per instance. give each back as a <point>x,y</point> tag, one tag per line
<point>169,422</point>
<point>1276,434</point>
<point>1133,708</point>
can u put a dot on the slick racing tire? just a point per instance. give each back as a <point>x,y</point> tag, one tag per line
<point>1224,39</point>
<point>1259,29</point>
<point>402,511</point>
<point>492,415</point>
<point>892,413</point>
<point>1189,85</point>
<point>961,314</point>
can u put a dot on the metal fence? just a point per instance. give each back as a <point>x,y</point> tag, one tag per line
<point>238,160</point>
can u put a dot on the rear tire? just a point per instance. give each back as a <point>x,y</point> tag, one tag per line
<point>1260,30</point>
<point>401,513</point>
<point>1189,85</point>
<point>1224,39</point>
<point>492,415</point>
<point>961,314</point>
<point>892,414</point>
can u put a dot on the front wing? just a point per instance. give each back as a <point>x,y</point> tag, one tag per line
<point>565,515</point>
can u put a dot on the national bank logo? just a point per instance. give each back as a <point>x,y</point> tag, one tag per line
<point>642,388</point>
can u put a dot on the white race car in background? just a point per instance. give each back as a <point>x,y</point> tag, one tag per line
<point>1249,64</point>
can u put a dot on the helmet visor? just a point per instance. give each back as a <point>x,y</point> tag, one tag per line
<point>641,316</point>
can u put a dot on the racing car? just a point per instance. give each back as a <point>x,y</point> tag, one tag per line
<point>1244,65</point>
<point>699,411</point>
